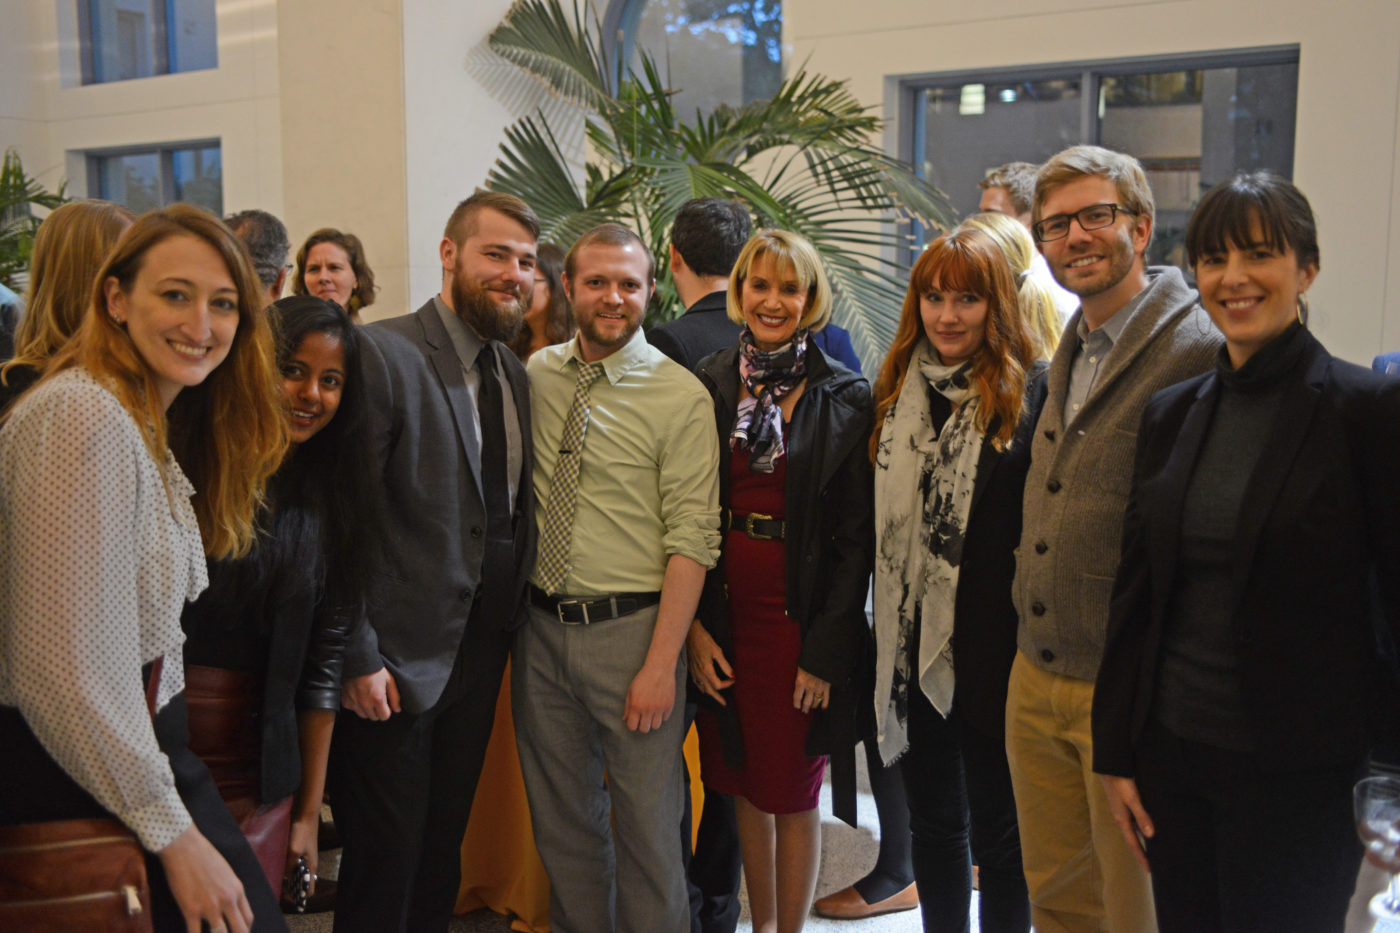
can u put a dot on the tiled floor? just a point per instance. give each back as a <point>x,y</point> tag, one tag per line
<point>846,855</point>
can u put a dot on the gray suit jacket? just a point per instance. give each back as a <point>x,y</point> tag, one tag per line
<point>1079,478</point>
<point>434,516</point>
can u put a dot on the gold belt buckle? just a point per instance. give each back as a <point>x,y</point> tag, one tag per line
<point>749,526</point>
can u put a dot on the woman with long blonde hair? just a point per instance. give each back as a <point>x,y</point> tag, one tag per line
<point>950,454</point>
<point>69,248</point>
<point>1033,292</point>
<point>168,389</point>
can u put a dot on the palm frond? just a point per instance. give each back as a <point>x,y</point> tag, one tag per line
<point>557,48</point>
<point>19,193</point>
<point>803,160</point>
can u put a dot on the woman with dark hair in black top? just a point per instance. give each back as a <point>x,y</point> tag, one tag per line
<point>1241,685</point>
<point>265,640</point>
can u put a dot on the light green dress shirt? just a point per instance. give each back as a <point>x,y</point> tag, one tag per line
<point>649,480</point>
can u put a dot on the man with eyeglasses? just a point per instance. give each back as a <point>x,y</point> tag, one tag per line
<point>1138,329</point>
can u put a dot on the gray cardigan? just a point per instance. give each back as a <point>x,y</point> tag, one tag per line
<point>1077,487</point>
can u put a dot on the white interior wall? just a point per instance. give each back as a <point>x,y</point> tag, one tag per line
<point>341,68</point>
<point>453,125</point>
<point>54,119</point>
<point>23,66</point>
<point>1347,158</point>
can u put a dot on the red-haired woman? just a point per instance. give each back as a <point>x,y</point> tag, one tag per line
<point>950,465</point>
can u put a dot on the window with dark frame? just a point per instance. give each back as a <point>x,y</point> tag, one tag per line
<point>143,178</point>
<point>122,40</point>
<point>1191,120</point>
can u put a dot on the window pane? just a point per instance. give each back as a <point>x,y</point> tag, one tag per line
<point>713,51</point>
<point>132,179</point>
<point>199,177</point>
<point>135,179</point>
<point>1194,129</point>
<point>973,127</point>
<point>193,38</point>
<point>126,39</point>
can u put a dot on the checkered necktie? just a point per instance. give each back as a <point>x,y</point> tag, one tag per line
<point>558,531</point>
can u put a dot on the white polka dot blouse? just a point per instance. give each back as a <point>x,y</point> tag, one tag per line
<point>96,562</point>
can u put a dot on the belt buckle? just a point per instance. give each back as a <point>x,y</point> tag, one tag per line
<point>581,603</point>
<point>749,526</point>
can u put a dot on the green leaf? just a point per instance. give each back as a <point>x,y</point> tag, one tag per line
<point>19,193</point>
<point>805,161</point>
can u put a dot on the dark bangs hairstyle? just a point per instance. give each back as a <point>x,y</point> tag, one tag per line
<point>966,260</point>
<point>323,499</point>
<point>1227,213</point>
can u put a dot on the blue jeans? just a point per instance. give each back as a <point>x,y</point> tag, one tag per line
<point>960,805</point>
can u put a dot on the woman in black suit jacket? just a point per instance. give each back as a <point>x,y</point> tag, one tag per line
<point>1241,682</point>
<point>951,451</point>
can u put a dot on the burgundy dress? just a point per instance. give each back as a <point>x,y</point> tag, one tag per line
<point>777,776</point>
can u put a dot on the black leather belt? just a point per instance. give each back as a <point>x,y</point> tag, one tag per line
<point>585,610</point>
<point>759,526</point>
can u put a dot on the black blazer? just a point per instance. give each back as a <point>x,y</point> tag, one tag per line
<point>703,329</point>
<point>984,616</point>
<point>435,520</point>
<point>1316,566</point>
<point>829,546</point>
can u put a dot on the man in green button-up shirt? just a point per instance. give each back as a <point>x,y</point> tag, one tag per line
<point>598,668</point>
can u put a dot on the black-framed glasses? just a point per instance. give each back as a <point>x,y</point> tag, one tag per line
<point>1092,217</point>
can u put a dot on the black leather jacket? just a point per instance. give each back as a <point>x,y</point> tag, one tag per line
<point>266,614</point>
<point>830,548</point>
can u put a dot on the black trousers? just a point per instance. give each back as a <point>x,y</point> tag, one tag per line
<point>1238,849</point>
<point>33,788</point>
<point>713,871</point>
<point>403,790</point>
<point>960,803</point>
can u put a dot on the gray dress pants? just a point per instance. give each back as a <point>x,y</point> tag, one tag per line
<point>604,801</point>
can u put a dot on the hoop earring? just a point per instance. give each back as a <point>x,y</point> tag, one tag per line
<point>1302,309</point>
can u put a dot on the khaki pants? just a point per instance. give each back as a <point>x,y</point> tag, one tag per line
<point>1080,872</point>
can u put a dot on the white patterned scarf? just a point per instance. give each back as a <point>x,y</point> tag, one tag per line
<point>924,478</point>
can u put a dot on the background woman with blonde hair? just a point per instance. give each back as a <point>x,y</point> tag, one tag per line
<point>1033,293</point>
<point>169,388</point>
<point>950,451</point>
<point>782,628</point>
<point>71,245</point>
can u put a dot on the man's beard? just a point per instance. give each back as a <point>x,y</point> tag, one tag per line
<point>481,312</point>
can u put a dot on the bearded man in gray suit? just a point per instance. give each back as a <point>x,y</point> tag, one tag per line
<point>450,420</point>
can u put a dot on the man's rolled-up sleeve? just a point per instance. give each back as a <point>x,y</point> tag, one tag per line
<point>689,481</point>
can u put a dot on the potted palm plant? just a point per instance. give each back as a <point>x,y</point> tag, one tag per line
<point>19,193</point>
<point>802,160</point>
